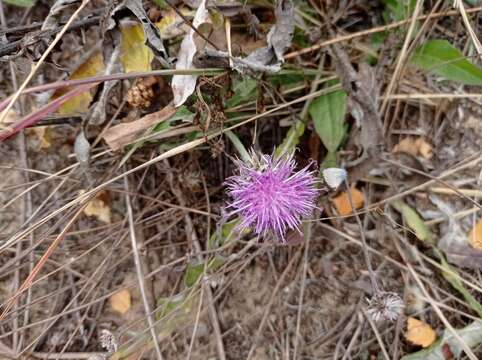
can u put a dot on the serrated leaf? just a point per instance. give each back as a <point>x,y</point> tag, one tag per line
<point>443,59</point>
<point>80,103</point>
<point>471,335</point>
<point>328,113</point>
<point>414,221</point>
<point>245,89</point>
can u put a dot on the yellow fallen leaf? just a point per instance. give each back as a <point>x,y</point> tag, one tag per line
<point>420,333</point>
<point>475,236</point>
<point>342,201</point>
<point>43,135</point>
<point>135,55</point>
<point>424,148</point>
<point>99,208</point>
<point>121,301</point>
<point>80,103</point>
<point>414,146</point>
<point>172,25</point>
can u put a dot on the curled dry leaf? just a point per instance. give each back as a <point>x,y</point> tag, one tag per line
<point>98,207</point>
<point>414,146</point>
<point>151,31</point>
<point>420,333</point>
<point>122,134</point>
<point>268,58</point>
<point>121,301</point>
<point>342,201</point>
<point>183,85</point>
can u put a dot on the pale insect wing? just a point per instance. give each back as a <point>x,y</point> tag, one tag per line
<point>334,176</point>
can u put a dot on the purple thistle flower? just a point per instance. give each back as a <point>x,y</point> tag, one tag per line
<point>270,195</point>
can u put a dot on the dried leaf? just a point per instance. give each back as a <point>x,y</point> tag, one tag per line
<point>342,201</point>
<point>151,31</point>
<point>121,301</point>
<point>99,208</point>
<point>279,38</point>
<point>135,55</point>
<point>475,236</point>
<point>183,85</point>
<point>414,146</point>
<point>80,103</point>
<point>454,241</point>
<point>268,58</point>
<point>448,344</point>
<point>420,333</point>
<point>120,135</point>
<point>82,148</point>
<point>43,135</point>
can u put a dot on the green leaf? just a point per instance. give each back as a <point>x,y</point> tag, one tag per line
<point>399,10</point>
<point>471,335</point>
<point>223,235</point>
<point>22,3</point>
<point>329,161</point>
<point>195,271</point>
<point>450,274</point>
<point>414,221</point>
<point>441,58</point>
<point>328,114</point>
<point>238,145</point>
<point>245,89</point>
<point>291,139</point>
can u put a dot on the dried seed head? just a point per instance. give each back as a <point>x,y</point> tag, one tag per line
<point>108,341</point>
<point>270,195</point>
<point>385,306</point>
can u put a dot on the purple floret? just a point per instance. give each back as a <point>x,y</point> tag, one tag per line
<point>270,196</point>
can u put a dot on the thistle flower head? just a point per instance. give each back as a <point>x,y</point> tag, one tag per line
<point>385,306</point>
<point>270,195</point>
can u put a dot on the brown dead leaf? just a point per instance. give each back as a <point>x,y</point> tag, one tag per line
<point>342,201</point>
<point>121,301</point>
<point>475,236</point>
<point>98,208</point>
<point>414,146</point>
<point>122,134</point>
<point>420,333</point>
